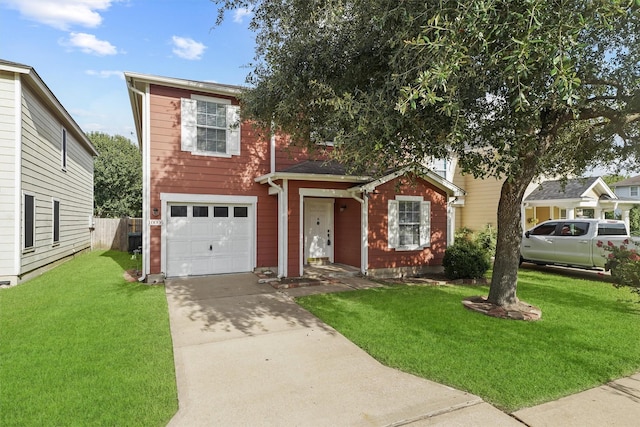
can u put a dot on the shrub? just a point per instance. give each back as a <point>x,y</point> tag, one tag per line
<point>465,259</point>
<point>486,238</point>
<point>624,263</point>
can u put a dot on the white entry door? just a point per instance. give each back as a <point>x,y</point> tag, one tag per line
<point>318,229</point>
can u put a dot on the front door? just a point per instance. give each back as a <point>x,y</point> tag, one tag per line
<point>318,230</point>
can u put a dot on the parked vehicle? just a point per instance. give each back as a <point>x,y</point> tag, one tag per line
<point>572,242</point>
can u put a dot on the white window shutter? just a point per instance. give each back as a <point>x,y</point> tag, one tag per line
<point>425,224</point>
<point>233,130</point>
<point>392,216</point>
<point>188,122</point>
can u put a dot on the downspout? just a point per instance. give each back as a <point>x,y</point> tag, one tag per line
<point>281,225</point>
<point>146,229</point>
<point>273,150</point>
<point>364,233</point>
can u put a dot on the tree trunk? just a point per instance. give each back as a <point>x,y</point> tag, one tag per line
<point>507,258</point>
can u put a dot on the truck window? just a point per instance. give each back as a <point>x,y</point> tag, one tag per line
<point>544,229</point>
<point>574,229</point>
<point>612,230</point>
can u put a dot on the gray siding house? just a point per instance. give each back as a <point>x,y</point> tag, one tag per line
<point>46,178</point>
<point>628,188</point>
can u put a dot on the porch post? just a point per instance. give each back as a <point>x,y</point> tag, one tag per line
<point>283,232</point>
<point>626,219</point>
<point>364,247</point>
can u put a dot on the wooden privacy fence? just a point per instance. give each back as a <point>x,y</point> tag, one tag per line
<point>121,234</point>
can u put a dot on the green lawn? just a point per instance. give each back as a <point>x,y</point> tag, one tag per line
<point>80,346</point>
<point>589,334</point>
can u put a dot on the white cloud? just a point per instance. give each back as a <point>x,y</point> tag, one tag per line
<point>105,74</point>
<point>239,14</point>
<point>88,43</point>
<point>187,48</point>
<point>62,14</point>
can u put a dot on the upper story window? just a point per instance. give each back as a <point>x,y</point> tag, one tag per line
<point>633,191</point>
<point>210,126</point>
<point>409,223</point>
<point>64,149</point>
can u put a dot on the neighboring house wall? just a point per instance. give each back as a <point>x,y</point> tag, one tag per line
<point>8,185</point>
<point>44,177</point>
<point>481,201</point>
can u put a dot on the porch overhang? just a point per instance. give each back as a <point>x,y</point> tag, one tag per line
<point>293,176</point>
<point>428,175</point>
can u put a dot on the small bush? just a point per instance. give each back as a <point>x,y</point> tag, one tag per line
<point>624,263</point>
<point>487,238</point>
<point>465,259</point>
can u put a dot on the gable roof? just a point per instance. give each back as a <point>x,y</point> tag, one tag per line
<point>575,188</point>
<point>33,80</point>
<point>634,180</point>
<point>424,173</point>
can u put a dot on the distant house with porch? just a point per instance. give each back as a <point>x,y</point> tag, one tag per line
<point>588,197</point>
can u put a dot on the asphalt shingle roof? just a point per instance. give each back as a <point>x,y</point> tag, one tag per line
<point>634,180</point>
<point>320,167</point>
<point>569,189</point>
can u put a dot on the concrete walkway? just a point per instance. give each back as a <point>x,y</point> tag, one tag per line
<point>246,354</point>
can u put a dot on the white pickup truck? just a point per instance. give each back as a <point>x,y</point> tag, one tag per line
<point>572,242</point>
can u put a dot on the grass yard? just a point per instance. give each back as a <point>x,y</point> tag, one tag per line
<point>589,334</point>
<point>81,346</point>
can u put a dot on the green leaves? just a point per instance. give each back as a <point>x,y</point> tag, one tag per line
<point>117,176</point>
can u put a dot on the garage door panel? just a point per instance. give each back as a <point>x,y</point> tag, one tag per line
<point>210,245</point>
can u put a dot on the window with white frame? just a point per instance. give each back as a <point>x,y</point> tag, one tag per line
<point>56,221</point>
<point>633,191</point>
<point>29,221</point>
<point>409,223</point>
<point>210,126</point>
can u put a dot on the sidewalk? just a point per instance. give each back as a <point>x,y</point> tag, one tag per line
<point>247,354</point>
<point>614,404</point>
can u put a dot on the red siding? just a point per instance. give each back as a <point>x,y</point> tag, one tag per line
<point>347,233</point>
<point>288,155</point>
<point>380,255</point>
<point>176,171</point>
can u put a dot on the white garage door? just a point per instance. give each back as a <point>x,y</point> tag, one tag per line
<point>209,239</point>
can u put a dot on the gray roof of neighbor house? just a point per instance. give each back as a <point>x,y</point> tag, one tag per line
<point>634,180</point>
<point>569,189</point>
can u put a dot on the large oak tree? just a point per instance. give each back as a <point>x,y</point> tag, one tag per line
<point>511,89</point>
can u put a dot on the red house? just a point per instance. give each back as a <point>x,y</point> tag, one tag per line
<point>217,198</point>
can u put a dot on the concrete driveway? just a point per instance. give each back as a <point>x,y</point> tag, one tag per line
<point>247,355</point>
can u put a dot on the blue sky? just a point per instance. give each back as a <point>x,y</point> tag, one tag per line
<point>80,49</point>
